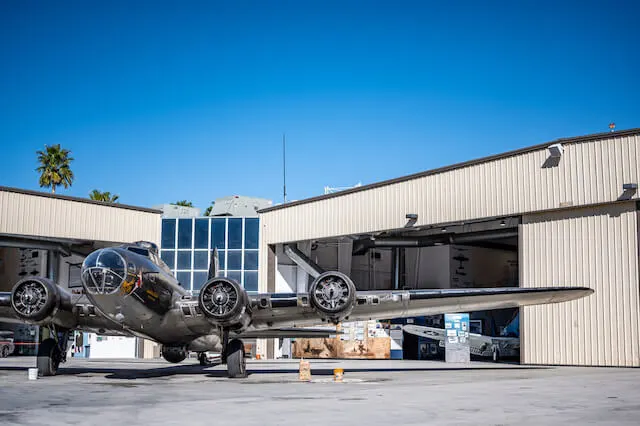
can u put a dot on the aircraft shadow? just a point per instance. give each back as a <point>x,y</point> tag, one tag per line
<point>329,372</point>
<point>191,369</point>
<point>133,373</point>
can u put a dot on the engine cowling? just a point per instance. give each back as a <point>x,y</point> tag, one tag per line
<point>333,296</point>
<point>225,303</point>
<point>37,299</point>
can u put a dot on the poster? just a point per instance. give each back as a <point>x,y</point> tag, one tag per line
<point>457,342</point>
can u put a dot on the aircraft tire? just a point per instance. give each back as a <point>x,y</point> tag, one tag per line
<point>4,352</point>
<point>48,358</point>
<point>236,363</point>
<point>202,358</point>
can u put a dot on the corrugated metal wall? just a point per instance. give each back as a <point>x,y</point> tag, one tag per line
<point>25,214</point>
<point>588,173</point>
<point>592,247</point>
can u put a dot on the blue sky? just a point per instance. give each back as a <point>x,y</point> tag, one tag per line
<point>165,100</point>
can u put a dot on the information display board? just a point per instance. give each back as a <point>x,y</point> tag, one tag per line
<point>456,340</point>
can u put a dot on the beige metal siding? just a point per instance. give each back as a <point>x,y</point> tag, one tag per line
<point>592,247</point>
<point>588,173</point>
<point>30,215</point>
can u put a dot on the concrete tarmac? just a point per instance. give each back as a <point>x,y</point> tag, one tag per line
<point>395,393</point>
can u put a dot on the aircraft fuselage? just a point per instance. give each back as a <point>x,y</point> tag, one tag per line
<point>136,293</point>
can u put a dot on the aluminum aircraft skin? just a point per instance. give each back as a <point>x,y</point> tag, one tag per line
<point>130,291</point>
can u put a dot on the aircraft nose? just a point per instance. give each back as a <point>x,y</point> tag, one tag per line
<point>103,271</point>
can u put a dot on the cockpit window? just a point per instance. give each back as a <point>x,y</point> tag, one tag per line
<point>140,251</point>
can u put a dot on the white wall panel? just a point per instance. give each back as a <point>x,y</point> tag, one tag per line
<point>592,247</point>
<point>43,216</point>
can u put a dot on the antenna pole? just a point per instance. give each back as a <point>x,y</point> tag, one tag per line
<point>284,170</point>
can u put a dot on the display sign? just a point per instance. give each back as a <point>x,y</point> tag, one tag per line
<point>456,339</point>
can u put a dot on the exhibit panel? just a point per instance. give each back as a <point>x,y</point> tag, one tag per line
<point>594,247</point>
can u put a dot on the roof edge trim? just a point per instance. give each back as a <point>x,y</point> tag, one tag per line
<point>77,199</point>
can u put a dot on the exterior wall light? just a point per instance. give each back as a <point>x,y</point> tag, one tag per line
<point>556,150</point>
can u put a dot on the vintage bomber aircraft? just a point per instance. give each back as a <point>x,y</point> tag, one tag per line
<point>130,291</point>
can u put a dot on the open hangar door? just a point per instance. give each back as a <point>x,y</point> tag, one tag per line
<point>462,255</point>
<point>55,258</point>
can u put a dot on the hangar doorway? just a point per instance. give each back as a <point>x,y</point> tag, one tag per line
<point>477,254</point>
<point>56,258</point>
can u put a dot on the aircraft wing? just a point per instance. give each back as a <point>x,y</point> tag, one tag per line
<point>300,332</point>
<point>84,317</point>
<point>290,309</point>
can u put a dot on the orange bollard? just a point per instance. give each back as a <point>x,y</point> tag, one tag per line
<point>338,374</point>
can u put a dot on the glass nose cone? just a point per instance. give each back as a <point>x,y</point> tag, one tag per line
<point>103,271</point>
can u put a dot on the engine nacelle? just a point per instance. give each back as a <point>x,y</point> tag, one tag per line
<point>225,303</point>
<point>333,296</point>
<point>174,354</point>
<point>37,299</point>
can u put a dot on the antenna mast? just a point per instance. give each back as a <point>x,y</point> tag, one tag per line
<point>284,170</point>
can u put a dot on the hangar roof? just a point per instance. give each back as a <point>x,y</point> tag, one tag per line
<point>564,141</point>
<point>77,199</point>
<point>26,214</point>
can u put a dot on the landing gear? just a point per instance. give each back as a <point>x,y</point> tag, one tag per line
<point>236,363</point>
<point>202,358</point>
<point>233,356</point>
<point>49,357</point>
<point>4,352</point>
<point>495,354</point>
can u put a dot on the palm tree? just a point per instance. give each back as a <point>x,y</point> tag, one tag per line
<point>207,212</point>
<point>183,203</point>
<point>54,167</point>
<point>103,196</point>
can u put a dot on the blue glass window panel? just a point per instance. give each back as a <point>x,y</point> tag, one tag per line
<point>235,275</point>
<point>184,260</point>
<point>222,259</point>
<point>201,234</point>
<point>234,259</point>
<point>218,229</point>
<point>251,259</point>
<point>168,257</point>
<point>251,281</point>
<point>199,278</point>
<point>168,233</point>
<point>235,233</point>
<point>184,233</point>
<point>185,279</point>
<point>201,260</point>
<point>251,231</point>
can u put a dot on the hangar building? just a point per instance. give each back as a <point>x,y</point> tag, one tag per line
<point>49,235</point>
<point>563,213</point>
